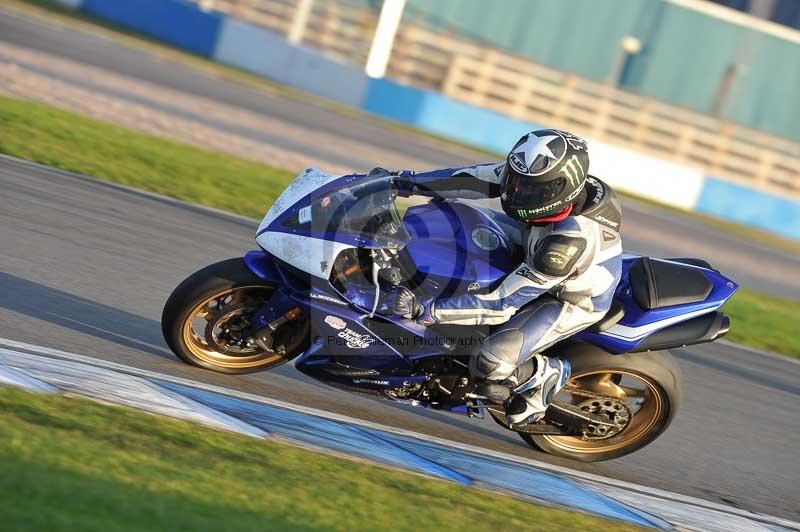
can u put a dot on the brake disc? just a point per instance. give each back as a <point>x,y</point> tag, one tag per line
<point>227,330</point>
<point>613,411</point>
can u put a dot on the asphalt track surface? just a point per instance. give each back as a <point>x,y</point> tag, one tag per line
<point>646,230</point>
<point>86,267</point>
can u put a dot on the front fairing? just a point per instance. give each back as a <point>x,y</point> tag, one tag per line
<point>305,183</point>
<point>356,209</point>
<point>318,216</point>
<point>320,220</point>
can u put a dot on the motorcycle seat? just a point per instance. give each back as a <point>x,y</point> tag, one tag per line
<point>657,284</point>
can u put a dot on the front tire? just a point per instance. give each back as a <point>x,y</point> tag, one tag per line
<point>645,388</point>
<point>206,321</point>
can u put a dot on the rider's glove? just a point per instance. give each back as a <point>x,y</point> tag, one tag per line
<point>402,302</point>
<point>425,313</point>
<point>404,183</point>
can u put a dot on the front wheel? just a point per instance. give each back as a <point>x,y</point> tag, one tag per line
<point>207,321</point>
<point>640,393</point>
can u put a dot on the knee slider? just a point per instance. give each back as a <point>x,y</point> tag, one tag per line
<point>497,358</point>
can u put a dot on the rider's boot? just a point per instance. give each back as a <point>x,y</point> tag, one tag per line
<point>529,400</point>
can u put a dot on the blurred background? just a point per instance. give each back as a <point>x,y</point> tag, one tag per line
<point>690,103</point>
<point>712,86</point>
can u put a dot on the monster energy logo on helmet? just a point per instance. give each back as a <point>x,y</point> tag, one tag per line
<point>574,170</point>
<point>527,213</point>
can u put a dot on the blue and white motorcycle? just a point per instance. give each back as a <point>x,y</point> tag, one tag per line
<point>331,245</point>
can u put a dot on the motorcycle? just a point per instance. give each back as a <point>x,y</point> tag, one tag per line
<point>330,246</point>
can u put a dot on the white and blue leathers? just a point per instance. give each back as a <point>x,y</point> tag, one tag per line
<point>565,283</point>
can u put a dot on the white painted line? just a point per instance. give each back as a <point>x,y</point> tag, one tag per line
<point>687,517</point>
<point>580,475</point>
<point>218,419</point>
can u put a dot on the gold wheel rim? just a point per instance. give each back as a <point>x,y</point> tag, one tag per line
<point>646,401</point>
<point>220,307</point>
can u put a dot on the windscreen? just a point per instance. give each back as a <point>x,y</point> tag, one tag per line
<point>363,209</point>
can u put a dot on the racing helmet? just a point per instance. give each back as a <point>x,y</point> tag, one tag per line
<point>543,174</point>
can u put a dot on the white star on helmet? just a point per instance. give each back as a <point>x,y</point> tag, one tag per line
<point>542,148</point>
<point>534,147</point>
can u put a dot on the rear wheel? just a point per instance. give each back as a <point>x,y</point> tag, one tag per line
<point>638,393</point>
<point>207,321</point>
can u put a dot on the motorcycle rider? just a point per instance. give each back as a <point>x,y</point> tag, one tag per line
<point>568,224</point>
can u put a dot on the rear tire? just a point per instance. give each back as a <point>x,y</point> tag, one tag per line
<point>228,289</point>
<point>661,398</point>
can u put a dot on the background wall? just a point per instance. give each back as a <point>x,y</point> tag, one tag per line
<point>685,57</point>
<point>174,21</point>
<point>268,54</point>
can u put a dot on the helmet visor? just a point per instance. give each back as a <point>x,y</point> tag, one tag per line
<point>523,194</point>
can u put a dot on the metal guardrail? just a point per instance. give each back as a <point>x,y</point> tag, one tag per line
<point>478,74</point>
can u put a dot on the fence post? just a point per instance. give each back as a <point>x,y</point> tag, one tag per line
<point>766,164</point>
<point>685,142</point>
<point>299,21</point>
<point>522,97</point>
<point>643,119</point>
<point>721,149</point>
<point>603,111</point>
<point>564,104</point>
<point>452,77</point>
<point>330,23</point>
<point>242,8</point>
<point>485,69</point>
<point>381,49</point>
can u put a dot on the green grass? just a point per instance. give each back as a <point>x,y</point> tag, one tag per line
<point>65,140</point>
<point>73,464</point>
<point>68,141</point>
<point>764,322</point>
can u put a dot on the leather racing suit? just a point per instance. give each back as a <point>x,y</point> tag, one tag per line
<point>565,283</point>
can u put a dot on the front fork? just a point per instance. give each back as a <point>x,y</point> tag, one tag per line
<point>265,336</point>
<point>278,311</point>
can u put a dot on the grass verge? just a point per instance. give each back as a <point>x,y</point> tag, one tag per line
<point>71,142</point>
<point>47,135</point>
<point>73,464</point>
<point>764,322</point>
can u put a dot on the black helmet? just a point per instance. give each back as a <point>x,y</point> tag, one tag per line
<point>544,173</point>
